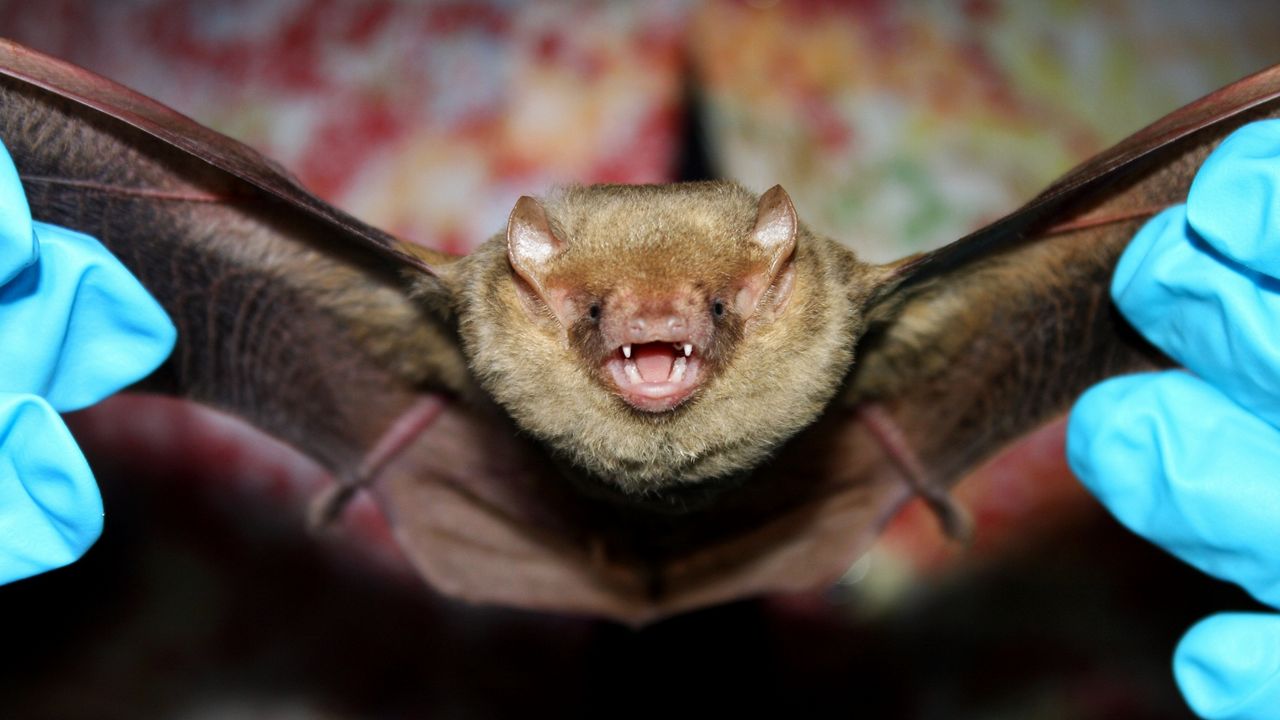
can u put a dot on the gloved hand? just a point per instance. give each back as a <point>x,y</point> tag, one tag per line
<point>75,326</point>
<point>1191,460</point>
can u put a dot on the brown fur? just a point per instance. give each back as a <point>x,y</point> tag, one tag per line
<point>774,374</point>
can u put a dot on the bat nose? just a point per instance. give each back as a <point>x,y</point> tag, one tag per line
<point>654,328</point>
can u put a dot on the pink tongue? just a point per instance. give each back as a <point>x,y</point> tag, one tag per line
<point>654,361</point>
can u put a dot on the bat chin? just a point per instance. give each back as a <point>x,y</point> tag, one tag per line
<point>655,377</point>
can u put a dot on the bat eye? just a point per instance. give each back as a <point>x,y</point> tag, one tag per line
<point>717,308</point>
<point>593,312</point>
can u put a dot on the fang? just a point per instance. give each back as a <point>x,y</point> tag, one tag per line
<point>633,373</point>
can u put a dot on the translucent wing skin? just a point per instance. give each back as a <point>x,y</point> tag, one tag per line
<point>285,306</point>
<point>298,318</point>
<point>1005,327</point>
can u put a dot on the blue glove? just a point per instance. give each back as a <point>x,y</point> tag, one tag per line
<point>1191,460</point>
<point>75,326</point>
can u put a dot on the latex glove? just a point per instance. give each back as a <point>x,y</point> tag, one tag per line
<point>75,326</point>
<point>1191,460</point>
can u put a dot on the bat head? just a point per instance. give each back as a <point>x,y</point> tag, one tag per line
<point>661,334</point>
<point>653,304</point>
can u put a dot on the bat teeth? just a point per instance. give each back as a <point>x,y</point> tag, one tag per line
<point>633,372</point>
<point>688,350</point>
<point>678,368</point>
<point>626,353</point>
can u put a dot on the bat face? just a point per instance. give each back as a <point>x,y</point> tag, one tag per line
<point>652,296</point>
<point>649,335</point>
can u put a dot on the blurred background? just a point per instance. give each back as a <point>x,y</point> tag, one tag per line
<point>896,127</point>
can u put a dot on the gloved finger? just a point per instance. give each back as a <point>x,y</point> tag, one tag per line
<point>1228,667</point>
<point>1151,448</point>
<point>76,326</point>
<point>1234,202</point>
<point>18,247</point>
<point>50,509</point>
<point>1213,315</point>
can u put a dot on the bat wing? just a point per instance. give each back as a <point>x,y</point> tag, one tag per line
<point>291,314</point>
<point>995,334</point>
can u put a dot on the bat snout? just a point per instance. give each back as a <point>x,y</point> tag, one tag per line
<point>660,328</point>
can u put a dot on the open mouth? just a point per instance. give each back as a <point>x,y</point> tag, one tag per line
<point>655,376</point>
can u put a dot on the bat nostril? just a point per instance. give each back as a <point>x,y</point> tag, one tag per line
<point>675,324</point>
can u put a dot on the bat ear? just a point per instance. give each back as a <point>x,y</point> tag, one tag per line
<point>530,243</point>
<point>775,234</point>
<point>531,246</point>
<point>776,223</point>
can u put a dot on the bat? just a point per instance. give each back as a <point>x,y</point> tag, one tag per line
<point>633,401</point>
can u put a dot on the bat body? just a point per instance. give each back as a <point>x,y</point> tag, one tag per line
<point>634,401</point>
